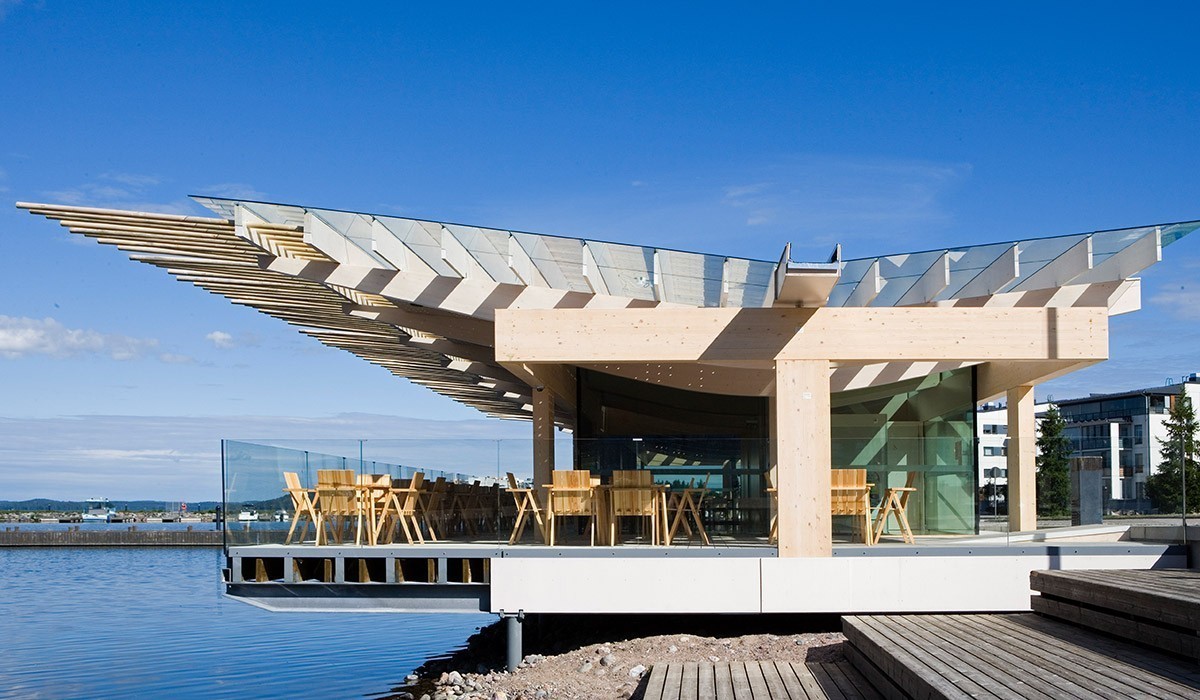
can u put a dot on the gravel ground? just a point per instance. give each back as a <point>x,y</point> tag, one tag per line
<point>604,669</point>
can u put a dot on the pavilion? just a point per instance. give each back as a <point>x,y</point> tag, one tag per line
<point>750,365</point>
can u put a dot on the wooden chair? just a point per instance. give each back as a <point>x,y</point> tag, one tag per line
<point>850,494</point>
<point>374,491</point>
<point>302,505</point>
<point>633,495</point>
<point>571,495</point>
<point>432,506</point>
<point>336,503</point>
<point>527,505</point>
<point>403,504</point>
<point>895,501</point>
<point>687,503</point>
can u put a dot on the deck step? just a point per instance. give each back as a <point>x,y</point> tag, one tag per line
<point>1010,656</point>
<point>758,680</point>
<point>1157,607</point>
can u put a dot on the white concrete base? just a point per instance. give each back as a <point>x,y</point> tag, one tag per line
<point>992,579</point>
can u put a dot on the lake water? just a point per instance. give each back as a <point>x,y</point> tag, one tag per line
<point>116,623</point>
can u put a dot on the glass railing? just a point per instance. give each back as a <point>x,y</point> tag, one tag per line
<point>650,490</point>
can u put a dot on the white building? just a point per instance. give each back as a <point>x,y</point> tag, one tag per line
<point>1126,429</point>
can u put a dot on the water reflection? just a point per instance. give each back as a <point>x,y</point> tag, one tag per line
<point>97,622</point>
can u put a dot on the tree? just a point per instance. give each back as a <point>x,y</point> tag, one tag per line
<point>1165,488</point>
<point>1053,466</point>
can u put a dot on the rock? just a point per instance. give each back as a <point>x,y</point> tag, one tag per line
<point>672,649</point>
<point>541,694</point>
<point>426,697</point>
<point>603,650</point>
<point>499,695</point>
<point>403,696</point>
<point>715,659</point>
<point>684,639</point>
<point>454,678</point>
<point>637,671</point>
<point>608,660</point>
<point>585,667</point>
<point>412,677</point>
<point>534,658</point>
<point>601,672</point>
<point>444,678</point>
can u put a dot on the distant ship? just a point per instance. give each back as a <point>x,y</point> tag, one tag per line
<point>248,516</point>
<point>99,510</point>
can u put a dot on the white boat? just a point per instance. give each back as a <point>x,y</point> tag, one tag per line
<point>247,516</point>
<point>99,510</point>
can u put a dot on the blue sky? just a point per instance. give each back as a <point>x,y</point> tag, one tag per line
<point>719,128</point>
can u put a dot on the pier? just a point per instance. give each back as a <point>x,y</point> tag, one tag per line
<point>131,537</point>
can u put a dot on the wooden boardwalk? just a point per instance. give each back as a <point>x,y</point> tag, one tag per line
<point>755,680</point>
<point>1012,656</point>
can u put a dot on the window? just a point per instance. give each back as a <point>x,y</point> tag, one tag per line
<point>995,451</point>
<point>989,429</point>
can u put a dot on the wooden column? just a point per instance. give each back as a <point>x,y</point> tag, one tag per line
<point>1022,454</point>
<point>802,448</point>
<point>543,435</point>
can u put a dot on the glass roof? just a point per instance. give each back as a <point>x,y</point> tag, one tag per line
<point>697,279</point>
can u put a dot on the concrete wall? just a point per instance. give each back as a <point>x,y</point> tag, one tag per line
<point>955,579</point>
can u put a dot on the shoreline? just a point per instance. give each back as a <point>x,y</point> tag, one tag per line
<point>582,656</point>
<point>131,537</point>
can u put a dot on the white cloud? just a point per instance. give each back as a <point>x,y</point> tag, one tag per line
<point>132,191</point>
<point>172,358</point>
<point>1182,302</point>
<point>834,196</point>
<point>21,337</point>
<point>233,190</point>
<point>179,457</point>
<point>221,339</point>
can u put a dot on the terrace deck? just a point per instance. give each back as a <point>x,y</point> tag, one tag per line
<point>754,680</point>
<point>1010,656</point>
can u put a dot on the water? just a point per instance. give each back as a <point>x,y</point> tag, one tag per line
<point>109,623</point>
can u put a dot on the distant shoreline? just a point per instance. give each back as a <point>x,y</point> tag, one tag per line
<point>129,537</point>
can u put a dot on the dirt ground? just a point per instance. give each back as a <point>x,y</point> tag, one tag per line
<point>586,667</point>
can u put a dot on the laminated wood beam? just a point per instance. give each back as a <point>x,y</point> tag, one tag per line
<point>750,337</point>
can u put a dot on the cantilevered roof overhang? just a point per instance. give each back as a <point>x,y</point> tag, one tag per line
<point>419,298</point>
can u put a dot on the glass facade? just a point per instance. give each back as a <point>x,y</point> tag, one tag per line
<point>919,433</point>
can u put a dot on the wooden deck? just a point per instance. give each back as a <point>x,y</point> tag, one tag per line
<point>1011,656</point>
<point>1158,607</point>
<point>754,680</point>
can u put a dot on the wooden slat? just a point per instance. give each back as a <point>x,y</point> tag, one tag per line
<point>789,673</point>
<point>829,686</point>
<point>723,677</point>
<point>775,685</point>
<point>758,684</point>
<point>706,682</point>
<point>1000,640</point>
<point>1152,668</point>
<point>690,681</point>
<point>672,681</point>
<point>1175,642</point>
<point>919,673</point>
<point>1000,680</point>
<point>654,684</point>
<point>741,682</point>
